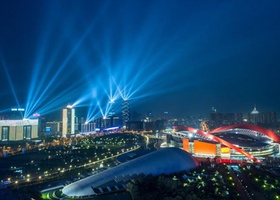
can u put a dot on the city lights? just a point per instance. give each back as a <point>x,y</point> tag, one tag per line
<point>136,99</point>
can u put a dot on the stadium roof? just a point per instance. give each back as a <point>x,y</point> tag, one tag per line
<point>163,161</point>
<point>251,128</point>
<point>258,129</point>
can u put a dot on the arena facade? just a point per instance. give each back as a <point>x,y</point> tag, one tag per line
<point>233,141</point>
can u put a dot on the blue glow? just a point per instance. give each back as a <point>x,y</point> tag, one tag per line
<point>113,93</point>
<point>92,112</point>
<point>115,72</point>
<point>96,54</point>
<point>122,73</point>
<point>4,110</point>
<point>10,81</point>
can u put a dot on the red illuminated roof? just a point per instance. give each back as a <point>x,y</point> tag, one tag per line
<point>265,131</point>
<point>251,127</point>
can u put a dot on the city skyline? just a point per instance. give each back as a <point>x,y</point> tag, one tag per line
<point>181,57</point>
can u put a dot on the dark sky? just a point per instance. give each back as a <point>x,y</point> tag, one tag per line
<point>178,56</point>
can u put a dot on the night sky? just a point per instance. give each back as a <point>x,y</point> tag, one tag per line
<point>163,55</point>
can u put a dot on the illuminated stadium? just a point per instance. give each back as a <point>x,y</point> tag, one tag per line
<point>234,141</point>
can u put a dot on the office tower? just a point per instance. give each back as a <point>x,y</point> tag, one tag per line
<point>125,112</point>
<point>68,120</point>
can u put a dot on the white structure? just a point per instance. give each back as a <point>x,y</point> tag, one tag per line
<point>164,161</point>
<point>254,116</point>
<point>68,120</point>
<point>255,112</point>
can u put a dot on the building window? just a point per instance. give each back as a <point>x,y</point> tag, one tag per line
<point>5,133</point>
<point>27,132</point>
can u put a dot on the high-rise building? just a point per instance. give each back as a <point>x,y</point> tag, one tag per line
<point>257,117</point>
<point>254,116</point>
<point>88,127</point>
<point>221,119</point>
<point>239,118</point>
<point>268,117</point>
<point>125,112</point>
<point>53,127</point>
<point>68,120</point>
